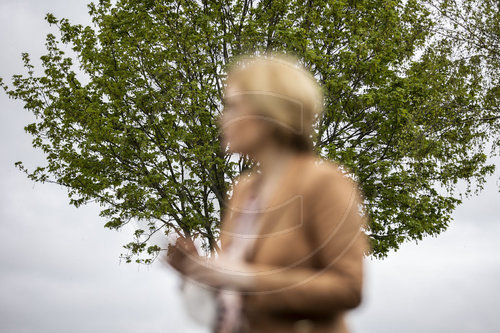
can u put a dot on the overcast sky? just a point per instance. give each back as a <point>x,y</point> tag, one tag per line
<point>60,269</point>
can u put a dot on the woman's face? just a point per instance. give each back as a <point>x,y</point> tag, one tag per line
<point>243,131</point>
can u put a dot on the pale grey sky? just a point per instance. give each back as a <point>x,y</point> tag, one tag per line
<point>60,271</point>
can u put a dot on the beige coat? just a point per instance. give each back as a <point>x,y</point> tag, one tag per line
<point>309,249</point>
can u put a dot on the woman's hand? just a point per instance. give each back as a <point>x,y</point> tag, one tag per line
<point>220,272</point>
<point>179,254</point>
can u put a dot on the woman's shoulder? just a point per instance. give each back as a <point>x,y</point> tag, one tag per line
<point>320,170</point>
<point>329,178</point>
<point>331,184</point>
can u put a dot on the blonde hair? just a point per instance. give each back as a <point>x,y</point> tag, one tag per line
<point>279,87</point>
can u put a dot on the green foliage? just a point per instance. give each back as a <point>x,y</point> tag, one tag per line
<point>133,128</point>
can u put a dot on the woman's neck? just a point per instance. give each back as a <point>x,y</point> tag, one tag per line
<point>272,160</point>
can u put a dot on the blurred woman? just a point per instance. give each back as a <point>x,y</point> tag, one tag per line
<point>292,243</point>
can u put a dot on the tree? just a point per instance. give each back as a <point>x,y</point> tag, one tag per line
<point>473,28</point>
<point>133,127</point>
